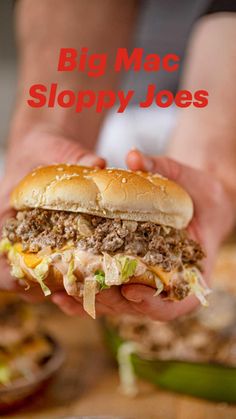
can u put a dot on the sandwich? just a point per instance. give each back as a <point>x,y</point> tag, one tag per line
<point>86,229</point>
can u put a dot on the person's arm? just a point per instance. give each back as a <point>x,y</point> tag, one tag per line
<point>42,28</point>
<point>206,138</point>
<point>46,136</point>
<point>203,147</point>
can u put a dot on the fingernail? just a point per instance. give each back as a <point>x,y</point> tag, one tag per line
<point>133,297</point>
<point>134,300</point>
<point>56,298</point>
<point>148,164</point>
<point>91,160</point>
<point>88,160</point>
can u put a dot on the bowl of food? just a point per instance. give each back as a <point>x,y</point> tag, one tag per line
<point>194,355</point>
<point>19,381</point>
<point>29,358</point>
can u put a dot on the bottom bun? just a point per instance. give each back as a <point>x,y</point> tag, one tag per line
<point>145,279</point>
<point>54,280</point>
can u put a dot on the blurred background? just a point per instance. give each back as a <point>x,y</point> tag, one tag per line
<point>7,71</point>
<point>147,130</point>
<point>88,382</point>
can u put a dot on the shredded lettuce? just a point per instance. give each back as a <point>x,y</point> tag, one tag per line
<point>111,269</point>
<point>13,255</point>
<point>17,272</point>
<point>27,285</point>
<point>100,278</point>
<point>15,259</point>
<point>89,294</point>
<point>126,369</point>
<point>40,272</point>
<point>118,269</point>
<point>70,273</point>
<point>5,245</point>
<point>66,255</point>
<point>128,267</point>
<point>159,285</point>
<point>70,280</point>
<point>44,287</point>
<point>197,284</point>
<point>5,374</point>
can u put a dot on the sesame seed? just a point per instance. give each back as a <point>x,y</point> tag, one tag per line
<point>123,180</point>
<point>157,175</point>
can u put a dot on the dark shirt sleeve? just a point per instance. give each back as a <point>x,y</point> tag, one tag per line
<point>216,6</point>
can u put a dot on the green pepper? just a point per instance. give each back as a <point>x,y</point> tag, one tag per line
<point>209,381</point>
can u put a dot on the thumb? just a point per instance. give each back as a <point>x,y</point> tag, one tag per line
<point>62,149</point>
<point>192,180</point>
<point>210,199</point>
<point>45,148</point>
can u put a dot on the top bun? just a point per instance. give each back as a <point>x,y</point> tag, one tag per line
<point>111,193</point>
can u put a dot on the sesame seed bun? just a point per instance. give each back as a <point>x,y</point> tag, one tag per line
<point>111,193</point>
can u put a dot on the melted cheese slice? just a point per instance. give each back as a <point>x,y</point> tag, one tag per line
<point>165,277</point>
<point>31,259</point>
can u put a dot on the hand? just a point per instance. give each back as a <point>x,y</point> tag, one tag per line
<point>213,219</point>
<point>40,146</point>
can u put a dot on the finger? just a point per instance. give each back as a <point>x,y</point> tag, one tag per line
<point>143,301</point>
<point>111,301</point>
<point>136,160</point>
<point>7,282</point>
<point>70,152</point>
<point>102,308</point>
<point>60,149</point>
<point>74,306</point>
<point>90,159</point>
<point>114,301</point>
<point>191,179</point>
<point>30,297</point>
<point>207,194</point>
<point>68,304</point>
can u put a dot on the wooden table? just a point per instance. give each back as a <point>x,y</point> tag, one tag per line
<point>88,382</point>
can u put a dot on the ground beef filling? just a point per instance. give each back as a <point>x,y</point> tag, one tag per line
<point>157,245</point>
